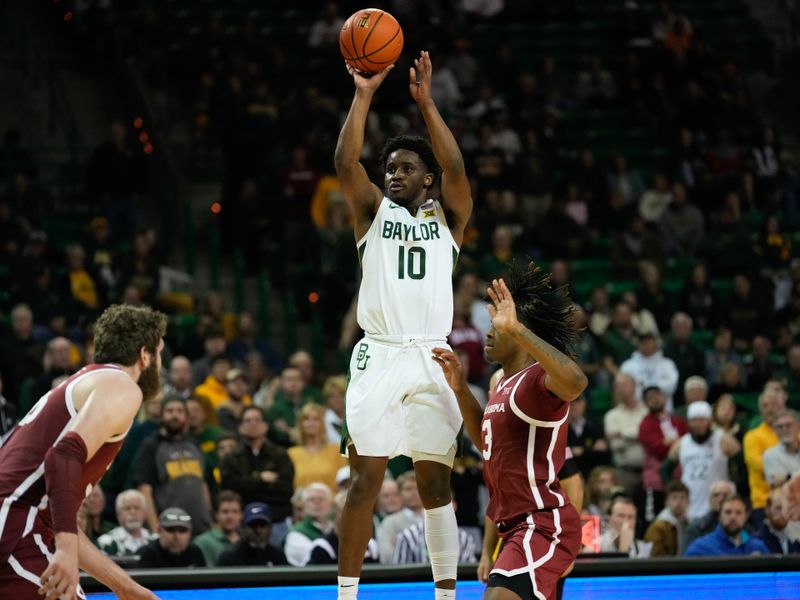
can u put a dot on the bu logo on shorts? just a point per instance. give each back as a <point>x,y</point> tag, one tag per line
<point>362,357</point>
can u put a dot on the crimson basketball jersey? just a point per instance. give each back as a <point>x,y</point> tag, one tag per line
<point>524,431</point>
<point>22,454</point>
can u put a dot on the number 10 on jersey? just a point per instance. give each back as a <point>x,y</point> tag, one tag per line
<point>411,262</point>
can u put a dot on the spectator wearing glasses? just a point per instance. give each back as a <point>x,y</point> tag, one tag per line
<point>174,547</point>
<point>782,461</point>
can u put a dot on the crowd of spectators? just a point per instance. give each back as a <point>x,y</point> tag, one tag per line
<point>689,424</point>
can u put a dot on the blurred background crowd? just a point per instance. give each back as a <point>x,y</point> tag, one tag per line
<point>644,152</point>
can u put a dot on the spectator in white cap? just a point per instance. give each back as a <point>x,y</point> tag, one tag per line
<point>703,454</point>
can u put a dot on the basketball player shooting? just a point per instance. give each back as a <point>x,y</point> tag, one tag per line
<point>523,433</point>
<point>61,448</point>
<point>397,401</point>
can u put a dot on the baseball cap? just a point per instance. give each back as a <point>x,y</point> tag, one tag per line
<point>235,374</point>
<point>699,410</point>
<point>257,511</point>
<point>342,475</point>
<point>175,517</point>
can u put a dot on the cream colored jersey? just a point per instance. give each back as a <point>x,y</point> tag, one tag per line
<point>702,466</point>
<point>407,264</point>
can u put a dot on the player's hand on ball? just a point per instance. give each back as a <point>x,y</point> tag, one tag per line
<point>60,578</point>
<point>502,309</point>
<point>419,78</point>
<point>367,81</point>
<point>452,367</point>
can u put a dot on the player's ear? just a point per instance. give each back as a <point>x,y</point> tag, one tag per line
<point>429,180</point>
<point>144,357</point>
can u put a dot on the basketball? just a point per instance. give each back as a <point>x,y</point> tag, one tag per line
<point>371,40</point>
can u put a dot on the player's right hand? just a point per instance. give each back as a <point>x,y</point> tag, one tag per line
<point>368,82</point>
<point>60,578</point>
<point>502,309</point>
<point>485,567</point>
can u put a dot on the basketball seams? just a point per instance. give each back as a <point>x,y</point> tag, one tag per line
<point>356,59</point>
<point>371,31</point>
<point>379,62</point>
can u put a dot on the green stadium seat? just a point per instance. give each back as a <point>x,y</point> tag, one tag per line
<point>704,337</point>
<point>723,287</point>
<point>617,288</point>
<point>600,402</point>
<point>747,402</point>
<point>680,267</point>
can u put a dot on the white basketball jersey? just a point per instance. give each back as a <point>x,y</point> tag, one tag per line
<point>407,264</point>
<point>702,465</point>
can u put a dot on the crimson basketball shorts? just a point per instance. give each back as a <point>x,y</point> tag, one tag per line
<point>536,551</point>
<point>26,548</point>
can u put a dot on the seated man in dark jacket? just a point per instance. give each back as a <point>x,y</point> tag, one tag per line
<point>776,530</point>
<point>730,537</point>
<point>174,547</point>
<point>254,549</point>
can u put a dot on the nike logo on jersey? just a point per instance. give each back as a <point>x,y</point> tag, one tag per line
<point>394,206</point>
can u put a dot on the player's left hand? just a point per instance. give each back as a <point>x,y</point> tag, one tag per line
<point>419,79</point>
<point>452,367</point>
<point>60,578</point>
<point>502,309</point>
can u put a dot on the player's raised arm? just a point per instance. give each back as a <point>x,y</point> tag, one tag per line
<point>360,193</point>
<point>455,184</point>
<point>563,375</point>
<point>470,409</point>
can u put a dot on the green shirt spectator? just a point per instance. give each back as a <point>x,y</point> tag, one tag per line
<point>225,533</point>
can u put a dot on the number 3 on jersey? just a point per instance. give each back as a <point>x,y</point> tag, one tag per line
<point>414,264</point>
<point>486,429</point>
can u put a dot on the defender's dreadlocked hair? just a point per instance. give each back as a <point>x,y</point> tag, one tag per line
<point>545,310</point>
<point>416,144</point>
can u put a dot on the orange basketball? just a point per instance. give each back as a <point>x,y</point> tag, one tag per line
<point>371,40</point>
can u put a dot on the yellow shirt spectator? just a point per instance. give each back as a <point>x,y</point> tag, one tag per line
<point>314,459</point>
<point>756,442</point>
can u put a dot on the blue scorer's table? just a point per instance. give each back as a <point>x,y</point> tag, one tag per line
<point>757,578</point>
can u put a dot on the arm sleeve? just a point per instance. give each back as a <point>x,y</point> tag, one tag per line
<point>63,468</point>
